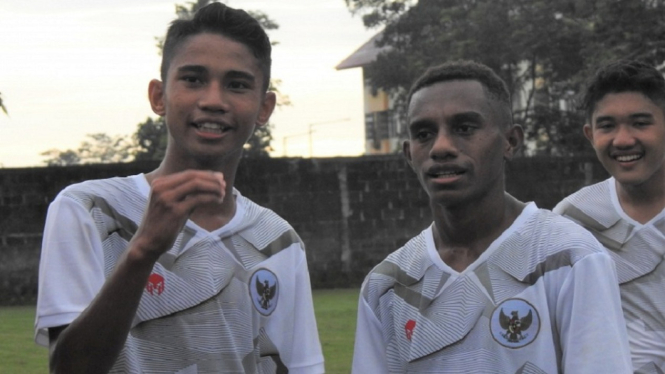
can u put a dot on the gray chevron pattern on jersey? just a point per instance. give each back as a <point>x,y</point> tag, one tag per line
<point>638,255</point>
<point>204,303</point>
<point>453,322</point>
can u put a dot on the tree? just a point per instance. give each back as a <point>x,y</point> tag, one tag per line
<point>100,149</point>
<point>2,106</point>
<point>544,49</point>
<point>151,135</point>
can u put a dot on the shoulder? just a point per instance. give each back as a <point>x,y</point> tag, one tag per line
<point>545,242</point>
<point>586,196</point>
<point>404,267</point>
<point>89,192</point>
<point>591,206</point>
<point>265,229</point>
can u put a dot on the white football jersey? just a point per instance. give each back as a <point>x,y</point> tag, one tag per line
<point>234,300</point>
<point>637,250</point>
<point>536,301</point>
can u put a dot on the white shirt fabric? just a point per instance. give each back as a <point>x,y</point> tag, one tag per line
<point>234,300</point>
<point>536,301</point>
<point>637,250</point>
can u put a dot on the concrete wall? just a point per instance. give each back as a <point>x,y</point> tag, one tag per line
<point>350,212</point>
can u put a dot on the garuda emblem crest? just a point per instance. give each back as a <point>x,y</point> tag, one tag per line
<point>515,323</point>
<point>264,291</point>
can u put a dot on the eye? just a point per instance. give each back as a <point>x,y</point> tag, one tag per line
<point>423,135</point>
<point>239,85</point>
<point>465,128</point>
<point>641,123</point>
<point>192,80</point>
<point>605,126</point>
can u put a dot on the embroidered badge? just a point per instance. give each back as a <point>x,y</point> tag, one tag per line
<point>155,284</point>
<point>408,328</point>
<point>515,323</point>
<point>264,291</point>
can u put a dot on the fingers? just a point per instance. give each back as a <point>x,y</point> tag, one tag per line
<point>184,191</point>
<point>172,200</point>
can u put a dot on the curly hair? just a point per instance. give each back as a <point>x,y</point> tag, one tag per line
<point>494,86</point>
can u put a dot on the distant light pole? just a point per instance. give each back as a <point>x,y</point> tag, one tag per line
<point>311,126</point>
<point>290,136</point>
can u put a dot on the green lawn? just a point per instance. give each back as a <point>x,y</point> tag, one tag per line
<point>18,351</point>
<point>335,315</point>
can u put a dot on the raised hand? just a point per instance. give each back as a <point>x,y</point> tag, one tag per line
<point>173,198</point>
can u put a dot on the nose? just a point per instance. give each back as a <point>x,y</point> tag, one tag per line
<point>624,137</point>
<point>213,98</point>
<point>444,146</point>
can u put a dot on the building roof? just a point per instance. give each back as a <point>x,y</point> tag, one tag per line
<point>364,55</point>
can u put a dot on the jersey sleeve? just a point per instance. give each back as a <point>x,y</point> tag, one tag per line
<point>592,329</point>
<point>71,268</point>
<point>369,354</point>
<point>307,356</point>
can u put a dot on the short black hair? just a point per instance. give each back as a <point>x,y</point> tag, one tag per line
<point>494,86</point>
<point>218,18</point>
<point>624,76</point>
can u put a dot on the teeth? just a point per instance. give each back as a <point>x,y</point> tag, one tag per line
<point>628,158</point>
<point>212,127</point>
<point>446,174</point>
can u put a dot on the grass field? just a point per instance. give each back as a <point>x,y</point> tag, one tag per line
<point>335,315</point>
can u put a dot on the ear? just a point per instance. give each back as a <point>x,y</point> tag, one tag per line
<point>514,141</point>
<point>588,132</point>
<point>156,97</point>
<point>406,150</point>
<point>267,107</point>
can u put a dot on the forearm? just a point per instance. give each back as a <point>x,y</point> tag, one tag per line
<point>92,342</point>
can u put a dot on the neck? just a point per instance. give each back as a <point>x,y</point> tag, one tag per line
<point>644,201</point>
<point>463,233</point>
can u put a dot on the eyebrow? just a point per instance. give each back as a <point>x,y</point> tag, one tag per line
<point>473,116</point>
<point>633,116</point>
<point>203,70</point>
<point>458,117</point>
<point>192,69</point>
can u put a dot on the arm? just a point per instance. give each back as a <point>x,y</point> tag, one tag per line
<point>591,324</point>
<point>369,353</point>
<point>93,341</point>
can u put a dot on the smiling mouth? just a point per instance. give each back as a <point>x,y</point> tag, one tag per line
<point>445,174</point>
<point>628,158</point>
<point>212,127</point>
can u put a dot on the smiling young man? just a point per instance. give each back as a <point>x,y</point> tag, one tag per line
<point>626,126</point>
<point>175,271</point>
<point>493,285</point>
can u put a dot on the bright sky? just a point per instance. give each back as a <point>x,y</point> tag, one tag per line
<point>74,67</point>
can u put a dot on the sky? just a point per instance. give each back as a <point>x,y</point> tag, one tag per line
<point>69,68</point>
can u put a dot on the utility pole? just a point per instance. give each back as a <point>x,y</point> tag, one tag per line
<point>311,127</point>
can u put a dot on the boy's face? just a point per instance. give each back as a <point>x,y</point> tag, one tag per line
<point>627,130</point>
<point>212,98</point>
<point>457,144</point>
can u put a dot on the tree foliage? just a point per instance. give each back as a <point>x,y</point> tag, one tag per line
<point>544,49</point>
<point>99,149</point>
<point>2,106</point>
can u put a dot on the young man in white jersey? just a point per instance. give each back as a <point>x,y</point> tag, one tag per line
<point>624,106</point>
<point>175,271</point>
<point>494,285</point>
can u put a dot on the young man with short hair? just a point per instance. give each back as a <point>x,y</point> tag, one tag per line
<point>625,105</point>
<point>175,271</point>
<point>494,285</point>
